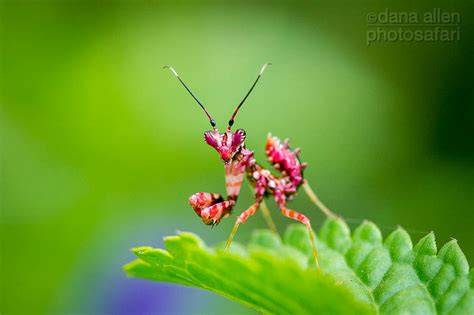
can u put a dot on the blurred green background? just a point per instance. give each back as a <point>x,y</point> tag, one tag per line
<point>101,148</point>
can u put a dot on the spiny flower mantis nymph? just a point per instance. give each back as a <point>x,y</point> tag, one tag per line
<point>240,161</point>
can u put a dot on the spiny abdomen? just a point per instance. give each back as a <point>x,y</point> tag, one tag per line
<point>284,159</point>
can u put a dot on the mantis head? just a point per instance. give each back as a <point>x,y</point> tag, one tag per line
<point>226,144</point>
<point>229,143</point>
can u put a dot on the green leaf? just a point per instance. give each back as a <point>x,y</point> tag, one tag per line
<point>361,272</point>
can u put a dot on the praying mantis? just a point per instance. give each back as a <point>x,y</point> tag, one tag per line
<point>239,162</point>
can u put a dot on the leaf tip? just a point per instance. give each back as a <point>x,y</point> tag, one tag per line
<point>336,233</point>
<point>140,250</point>
<point>368,232</point>
<point>296,236</point>
<point>426,245</point>
<point>265,238</point>
<point>399,244</point>
<point>451,253</point>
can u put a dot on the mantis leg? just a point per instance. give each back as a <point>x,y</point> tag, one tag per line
<point>268,217</point>
<point>303,219</point>
<point>317,202</point>
<point>266,214</point>
<point>241,219</point>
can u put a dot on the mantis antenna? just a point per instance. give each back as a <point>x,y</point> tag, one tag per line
<point>231,121</point>
<point>211,120</point>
